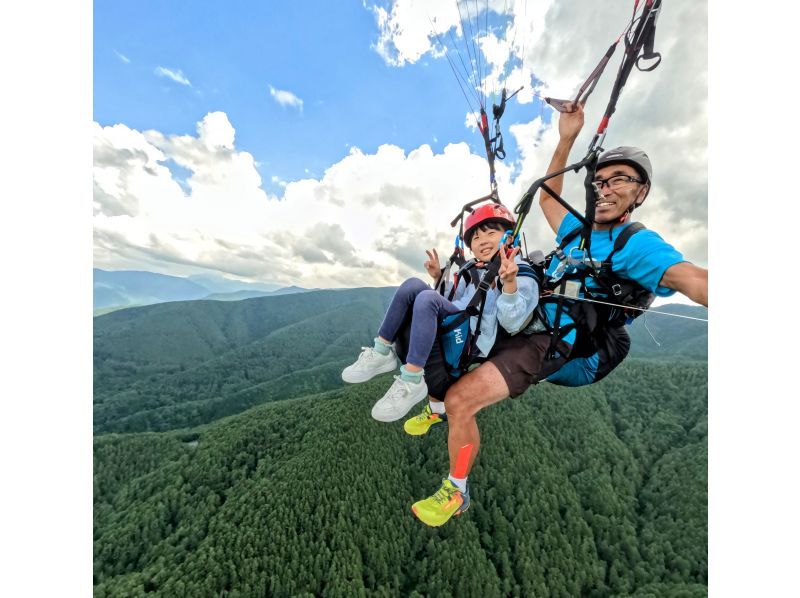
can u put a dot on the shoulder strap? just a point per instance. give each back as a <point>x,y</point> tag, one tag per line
<point>627,233</point>
<point>464,273</point>
<point>476,305</point>
<point>569,236</point>
<point>622,240</point>
<point>527,270</point>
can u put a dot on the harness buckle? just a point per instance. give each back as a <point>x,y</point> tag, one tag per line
<point>576,257</point>
<point>616,289</point>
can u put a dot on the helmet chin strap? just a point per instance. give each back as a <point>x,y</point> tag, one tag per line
<point>633,206</point>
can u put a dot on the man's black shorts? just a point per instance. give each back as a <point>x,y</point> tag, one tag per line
<point>521,359</point>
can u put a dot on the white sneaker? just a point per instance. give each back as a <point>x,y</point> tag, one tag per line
<point>369,364</point>
<point>399,400</point>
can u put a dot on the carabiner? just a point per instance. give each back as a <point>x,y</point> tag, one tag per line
<point>572,260</point>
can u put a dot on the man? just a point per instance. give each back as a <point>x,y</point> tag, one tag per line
<point>623,176</point>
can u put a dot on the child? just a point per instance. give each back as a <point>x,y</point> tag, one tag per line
<point>484,230</point>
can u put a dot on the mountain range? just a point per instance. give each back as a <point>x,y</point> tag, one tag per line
<point>185,363</point>
<point>128,288</point>
<point>231,460</point>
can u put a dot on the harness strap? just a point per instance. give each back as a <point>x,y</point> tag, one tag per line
<point>618,288</point>
<point>479,298</point>
<point>621,241</point>
<point>463,272</point>
<point>570,236</point>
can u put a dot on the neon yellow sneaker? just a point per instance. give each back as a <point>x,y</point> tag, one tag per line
<point>439,508</point>
<point>420,424</point>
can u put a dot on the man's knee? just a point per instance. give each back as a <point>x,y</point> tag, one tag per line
<point>477,389</point>
<point>462,402</point>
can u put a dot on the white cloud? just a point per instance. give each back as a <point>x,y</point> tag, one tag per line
<point>365,221</point>
<point>285,98</point>
<point>175,75</point>
<point>122,57</point>
<point>371,216</point>
<point>560,42</point>
<point>408,32</point>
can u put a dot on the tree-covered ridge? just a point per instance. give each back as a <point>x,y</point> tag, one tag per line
<point>182,364</point>
<point>597,491</point>
<point>659,336</point>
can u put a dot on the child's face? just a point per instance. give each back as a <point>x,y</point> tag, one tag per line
<point>484,243</point>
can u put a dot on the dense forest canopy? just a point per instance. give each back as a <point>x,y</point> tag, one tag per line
<point>230,460</point>
<point>597,491</point>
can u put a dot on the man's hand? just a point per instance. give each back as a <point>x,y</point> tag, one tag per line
<point>508,270</point>
<point>571,123</point>
<point>432,264</point>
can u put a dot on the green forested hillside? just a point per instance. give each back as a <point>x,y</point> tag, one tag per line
<point>663,337</point>
<point>181,364</point>
<point>597,491</point>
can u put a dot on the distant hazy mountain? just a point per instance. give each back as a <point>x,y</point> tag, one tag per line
<point>132,287</point>
<point>117,289</point>
<point>220,284</point>
<point>239,295</point>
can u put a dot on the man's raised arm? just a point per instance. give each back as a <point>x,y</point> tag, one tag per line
<point>569,125</point>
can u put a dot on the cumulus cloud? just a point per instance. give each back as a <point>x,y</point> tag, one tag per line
<point>174,74</point>
<point>285,98</point>
<point>408,31</point>
<point>550,47</point>
<point>365,222</point>
<point>367,219</point>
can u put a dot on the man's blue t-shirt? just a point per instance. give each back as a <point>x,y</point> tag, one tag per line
<point>644,259</point>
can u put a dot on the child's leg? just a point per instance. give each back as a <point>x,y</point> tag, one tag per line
<point>403,299</point>
<point>429,308</point>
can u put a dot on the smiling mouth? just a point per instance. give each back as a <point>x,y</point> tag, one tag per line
<point>604,204</point>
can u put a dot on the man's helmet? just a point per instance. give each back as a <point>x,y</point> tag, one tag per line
<point>492,212</point>
<point>632,156</point>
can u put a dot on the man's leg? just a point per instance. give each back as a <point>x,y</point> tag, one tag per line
<point>514,364</point>
<point>477,389</point>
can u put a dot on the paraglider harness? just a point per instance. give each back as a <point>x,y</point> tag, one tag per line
<point>621,300</point>
<point>594,323</point>
<point>457,340</point>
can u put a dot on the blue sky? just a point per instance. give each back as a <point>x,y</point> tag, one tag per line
<point>326,144</point>
<point>232,53</point>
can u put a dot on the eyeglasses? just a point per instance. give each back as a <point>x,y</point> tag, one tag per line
<point>614,182</point>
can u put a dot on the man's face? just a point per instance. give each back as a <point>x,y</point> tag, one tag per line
<point>619,193</point>
<point>485,243</point>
